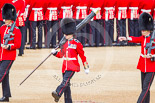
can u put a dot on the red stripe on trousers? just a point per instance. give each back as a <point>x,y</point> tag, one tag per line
<point>5,72</point>
<point>148,88</point>
<point>66,83</point>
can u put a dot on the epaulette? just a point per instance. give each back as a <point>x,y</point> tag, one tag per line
<point>77,40</point>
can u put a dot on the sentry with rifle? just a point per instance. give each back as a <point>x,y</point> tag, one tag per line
<point>63,40</point>
<point>146,63</point>
<point>10,41</point>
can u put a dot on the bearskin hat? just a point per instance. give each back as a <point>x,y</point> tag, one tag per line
<point>68,26</point>
<point>146,22</point>
<point>9,12</point>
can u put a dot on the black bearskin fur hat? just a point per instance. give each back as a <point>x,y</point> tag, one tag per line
<point>9,12</point>
<point>68,26</point>
<point>146,22</point>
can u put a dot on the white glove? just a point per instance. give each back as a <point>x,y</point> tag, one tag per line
<point>87,71</point>
<point>53,51</point>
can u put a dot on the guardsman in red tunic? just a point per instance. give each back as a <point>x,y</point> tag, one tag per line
<point>80,13</point>
<point>146,63</point>
<point>20,7</point>
<point>108,21</point>
<point>51,17</point>
<point>95,23</point>
<point>121,15</point>
<point>36,20</point>
<point>8,52</point>
<point>133,15</point>
<point>69,52</point>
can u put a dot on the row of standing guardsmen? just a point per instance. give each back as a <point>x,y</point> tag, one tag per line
<point>48,13</point>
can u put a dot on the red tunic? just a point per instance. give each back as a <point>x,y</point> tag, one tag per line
<point>15,44</point>
<point>121,9</point>
<point>108,9</point>
<point>146,6</point>
<point>133,10</point>
<point>96,5</point>
<point>66,9</point>
<point>37,10</point>
<point>52,10</point>
<point>81,9</point>
<point>70,52</point>
<point>144,64</point>
<point>153,9</point>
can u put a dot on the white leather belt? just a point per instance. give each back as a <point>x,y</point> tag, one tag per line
<point>135,8</point>
<point>37,8</point>
<point>66,7</point>
<point>122,8</point>
<point>81,7</point>
<point>52,8</point>
<point>108,8</point>
<point>144,10</point>
<point>95,8</point>
<point>69,58</point>
<point>144,56</point>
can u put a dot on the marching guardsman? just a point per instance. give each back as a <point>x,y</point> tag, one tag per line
<point>8,50</point>
<point>69,52</point>
<point>81,12</point>
<point>66,11</point>
<point>108,21</point>
<point>121,15</point>
<point>146,62</point>
<point>51,17</point>
<point>95,23</point>
<point>133,15</point>
<point>36,20</point>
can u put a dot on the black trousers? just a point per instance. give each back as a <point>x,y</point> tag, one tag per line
<point>95,32</point>
<point>133,26</point>
<point>23,32</point>
<point>146,81</point>
<point>50,37</point>
<point>65,86</point>
<point>109,32</point>
<point>5,66</point>
<point>27,26</point>
<point>81,35</point>
<point>33,25</point>
<point>60,34</point>
<point>121,28</point>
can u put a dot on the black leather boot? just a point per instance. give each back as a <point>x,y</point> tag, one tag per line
<point>56,96</point>
<point>4,99</point>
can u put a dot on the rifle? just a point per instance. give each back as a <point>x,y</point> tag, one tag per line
<point>7,36</point>
<point>63,40</point>
<point>149,46</point>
